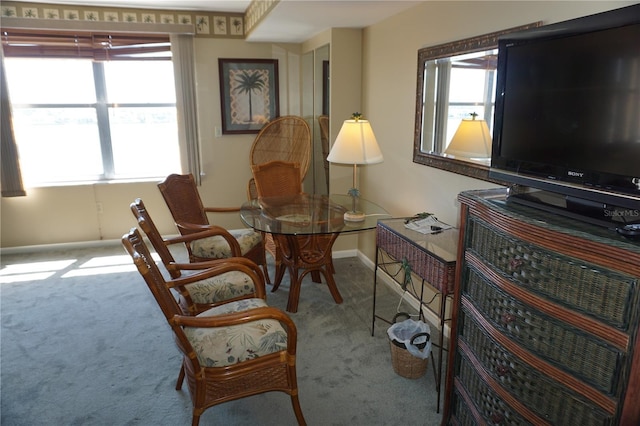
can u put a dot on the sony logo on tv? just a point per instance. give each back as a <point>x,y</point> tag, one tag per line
<point>574,174</point>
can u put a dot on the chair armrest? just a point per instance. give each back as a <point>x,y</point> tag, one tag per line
<point>195,227</point>
<point>217,268</point>
<point>187,238</point>
<point>242,317</point>
<point>221,209</point>
<point>192,229</point>
<point>194,266</point>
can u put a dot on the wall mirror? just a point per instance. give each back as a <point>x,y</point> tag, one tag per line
<point>454,81</point>
<point>315,109</point>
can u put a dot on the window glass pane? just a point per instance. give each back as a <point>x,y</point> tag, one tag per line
<point>52,81</point>
<point>144,141</point>
<point>467,85</point>
<point>59,139</point>
<point>140,82</point>
<point>57,144</point>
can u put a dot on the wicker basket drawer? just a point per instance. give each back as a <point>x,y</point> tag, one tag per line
<point>585,356</point>
<point>547,398</point>
<point>461,412</point>
<point>601,293</point>
<point>492,408</point>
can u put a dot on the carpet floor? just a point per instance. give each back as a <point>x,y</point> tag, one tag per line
<point>83,343</point>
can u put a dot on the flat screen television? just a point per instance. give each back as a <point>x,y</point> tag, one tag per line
<point>567,116</point>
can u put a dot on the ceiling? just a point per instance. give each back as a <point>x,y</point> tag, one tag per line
<point>291,21</point>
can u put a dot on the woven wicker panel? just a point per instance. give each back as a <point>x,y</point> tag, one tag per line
<point>286,138</point>
<point>571,349</point>
<point>492,408</point>
<point>548,398</point>
<point>461,412</point>
<point>219,391</point>
<point>405,364</point>
<point>595,291</point>
<point>421,262</point>
<point>268,379</point>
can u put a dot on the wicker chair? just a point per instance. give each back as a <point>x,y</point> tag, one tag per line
<point>262,357</point>
<point>238,277</point>
<point>272,179</point>
<point>287,138</point>
<point>181,195</point>
<point>304,252</point>
<point>277,178</point>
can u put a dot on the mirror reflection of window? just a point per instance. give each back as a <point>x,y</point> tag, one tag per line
<point>455,88</point>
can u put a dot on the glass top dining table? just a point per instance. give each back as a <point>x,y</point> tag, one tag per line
<point>304,228</point>
<point>308,214</point>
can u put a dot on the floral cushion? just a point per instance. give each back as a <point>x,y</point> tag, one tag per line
<point>218,248</point>
<point>221,287</point>
<point>222,346</point>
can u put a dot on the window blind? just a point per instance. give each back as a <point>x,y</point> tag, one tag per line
<point>80,44</point>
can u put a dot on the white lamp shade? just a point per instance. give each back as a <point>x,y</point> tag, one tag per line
<point>355,144</point>
<point>471,140</point>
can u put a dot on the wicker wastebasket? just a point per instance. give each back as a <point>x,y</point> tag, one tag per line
<point>404,363</point>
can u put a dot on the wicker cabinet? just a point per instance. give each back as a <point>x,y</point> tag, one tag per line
<point>546,314</point>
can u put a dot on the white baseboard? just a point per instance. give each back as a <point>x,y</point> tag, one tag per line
<point>58,246</point>
<point>341,254</point>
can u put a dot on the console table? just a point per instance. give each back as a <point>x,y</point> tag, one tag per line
<point>432,257</point>
<point>546,319</point>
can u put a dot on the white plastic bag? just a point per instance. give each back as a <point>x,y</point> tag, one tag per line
<point>415,335</point>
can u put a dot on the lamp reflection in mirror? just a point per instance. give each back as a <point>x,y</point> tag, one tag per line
<point>471,140</point>
<point>355,144</point>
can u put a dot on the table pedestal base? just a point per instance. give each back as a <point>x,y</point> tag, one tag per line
<point>304,254</point>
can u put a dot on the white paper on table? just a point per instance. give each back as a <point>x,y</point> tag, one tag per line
<point>424,226</point>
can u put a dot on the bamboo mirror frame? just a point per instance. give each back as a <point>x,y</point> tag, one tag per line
<point>474,44</point>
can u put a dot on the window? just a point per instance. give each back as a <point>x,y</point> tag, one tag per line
<point>81,119</point>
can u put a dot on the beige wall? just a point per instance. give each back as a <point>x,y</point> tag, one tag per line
<point>389,53</point>
<point>389,83</point>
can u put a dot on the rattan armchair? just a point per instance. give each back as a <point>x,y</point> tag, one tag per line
<point>190,215</point>
<point>261,358</point>
<point>237,277</point>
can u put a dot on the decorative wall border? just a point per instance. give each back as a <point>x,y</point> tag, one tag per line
<point>257,10</point>
<point>206,24</point>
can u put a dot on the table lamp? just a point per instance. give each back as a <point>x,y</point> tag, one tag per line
<point>471,140</point>
<point>355,144</point>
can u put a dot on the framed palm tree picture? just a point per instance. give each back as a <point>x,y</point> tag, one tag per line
<point>248,94</point>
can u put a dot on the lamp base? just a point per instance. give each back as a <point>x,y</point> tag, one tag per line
<point>354,216</point>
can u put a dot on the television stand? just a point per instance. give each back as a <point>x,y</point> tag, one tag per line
<point>597,213</point>
<point>546,304</point>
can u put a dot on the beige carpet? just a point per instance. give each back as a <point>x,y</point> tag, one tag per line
<point>82,343</point>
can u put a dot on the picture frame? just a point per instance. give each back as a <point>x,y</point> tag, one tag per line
<point>249,94</point>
